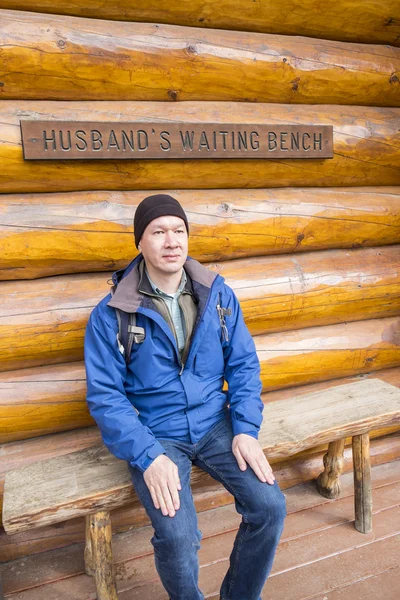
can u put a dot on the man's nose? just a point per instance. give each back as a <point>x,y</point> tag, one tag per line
<point>171,239</point>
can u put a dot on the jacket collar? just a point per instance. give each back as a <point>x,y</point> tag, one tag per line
<point>131,283</point>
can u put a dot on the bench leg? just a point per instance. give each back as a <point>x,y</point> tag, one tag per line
<point>328,483</point>
<point>89,559</point>
<point>362,483</point>
<point>98,555</point>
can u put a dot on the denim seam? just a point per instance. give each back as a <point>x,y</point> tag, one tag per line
<point>240,542</point>
<point>236,559</point>
<point>226,483</point>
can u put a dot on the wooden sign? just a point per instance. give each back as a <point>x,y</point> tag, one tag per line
<point>55,140</point>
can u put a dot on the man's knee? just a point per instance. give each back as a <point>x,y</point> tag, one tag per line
<point>268,507</point>
<point>176,540</point>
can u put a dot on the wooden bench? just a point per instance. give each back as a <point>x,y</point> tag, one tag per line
<point>92,482</point>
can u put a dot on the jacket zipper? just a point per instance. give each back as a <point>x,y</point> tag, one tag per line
<point>198,326</point>
<point>171,326</point>
<point>187,339</point>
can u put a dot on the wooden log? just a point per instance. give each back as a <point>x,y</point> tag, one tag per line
<point>299,469</point>
<point>54,396</point>
<point>101,560</point>
<point>362,483</point>
<point>292,425</point>
<point>72,59</point>
<point>317,288</point>
<point>364,21</point>
<point>276,294</point>
<point>320,353</point>
<point>36,402</point>
<point>52,234</point>
<point>289,426</point>
<point>90,566</point>
<point>39,448</point>
<point>366,148</point>
<point>328,482</point>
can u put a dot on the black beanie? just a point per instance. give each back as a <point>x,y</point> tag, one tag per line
<point>151,208</point>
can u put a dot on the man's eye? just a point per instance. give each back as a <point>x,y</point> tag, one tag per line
<point>179,231</point>
<point>158,232</point>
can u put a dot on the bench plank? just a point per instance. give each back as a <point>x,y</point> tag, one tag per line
<point>83,482</point>
<point>290,426</point>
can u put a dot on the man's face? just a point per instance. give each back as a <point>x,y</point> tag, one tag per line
<point>164,244</point>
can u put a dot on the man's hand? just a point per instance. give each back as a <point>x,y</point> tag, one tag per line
<point>248,449</point>
<point>162,479</point>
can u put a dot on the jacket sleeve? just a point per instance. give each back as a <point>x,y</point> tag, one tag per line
<point>122,432</point>
<point>242,372</point>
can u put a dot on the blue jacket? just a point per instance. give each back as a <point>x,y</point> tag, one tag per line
<point>153,398</point>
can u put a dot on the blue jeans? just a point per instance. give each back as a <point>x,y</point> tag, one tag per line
<point>176,540</point>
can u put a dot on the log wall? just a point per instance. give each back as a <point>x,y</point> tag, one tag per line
<point>364,21</point>
<point>46,324</point>
<point>73,59</point>
<point>311,247</point>
<point>50,234</point>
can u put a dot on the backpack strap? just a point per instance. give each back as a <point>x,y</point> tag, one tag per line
<point>222,313</point>
<point>128,333</point>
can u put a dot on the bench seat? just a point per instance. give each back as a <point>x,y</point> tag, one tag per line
<point>91,482</point>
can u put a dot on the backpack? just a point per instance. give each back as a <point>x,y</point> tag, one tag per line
<point>129,333</point>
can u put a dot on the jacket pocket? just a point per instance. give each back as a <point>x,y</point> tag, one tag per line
<point>209,360</point>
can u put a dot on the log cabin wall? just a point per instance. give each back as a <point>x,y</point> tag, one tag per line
<point>311,247</point>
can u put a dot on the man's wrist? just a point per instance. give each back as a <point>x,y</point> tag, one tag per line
<point>239,427</point>
<point>155,450</point>
<point>250,433</point>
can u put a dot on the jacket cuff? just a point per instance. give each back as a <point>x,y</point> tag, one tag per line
<point>242,427</point>
<point>148,457</point>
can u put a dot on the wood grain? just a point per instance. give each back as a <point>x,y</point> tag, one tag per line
<point>74,481</point>
<point>102,557</point>
<point>366,148</point>
<point>328,482</point>
<point>362,483</point>
<point>364,21</point>
<point>52,234</point>
<point>320,353</point>
<point>37,402</point>
<point>62,58</point>
<point>290,426</point>
<point>43,321</point>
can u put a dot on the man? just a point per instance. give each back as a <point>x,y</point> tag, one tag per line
<point>161,407</point>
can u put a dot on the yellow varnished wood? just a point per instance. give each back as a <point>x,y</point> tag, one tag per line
<point>60,58</point>
<point>284,293</point>
<point>50,234</point>
<point>43,321</point>
<point>366,21</point>
<point>366,149</point>
<point>322,353</point>
<point>44,400</point>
